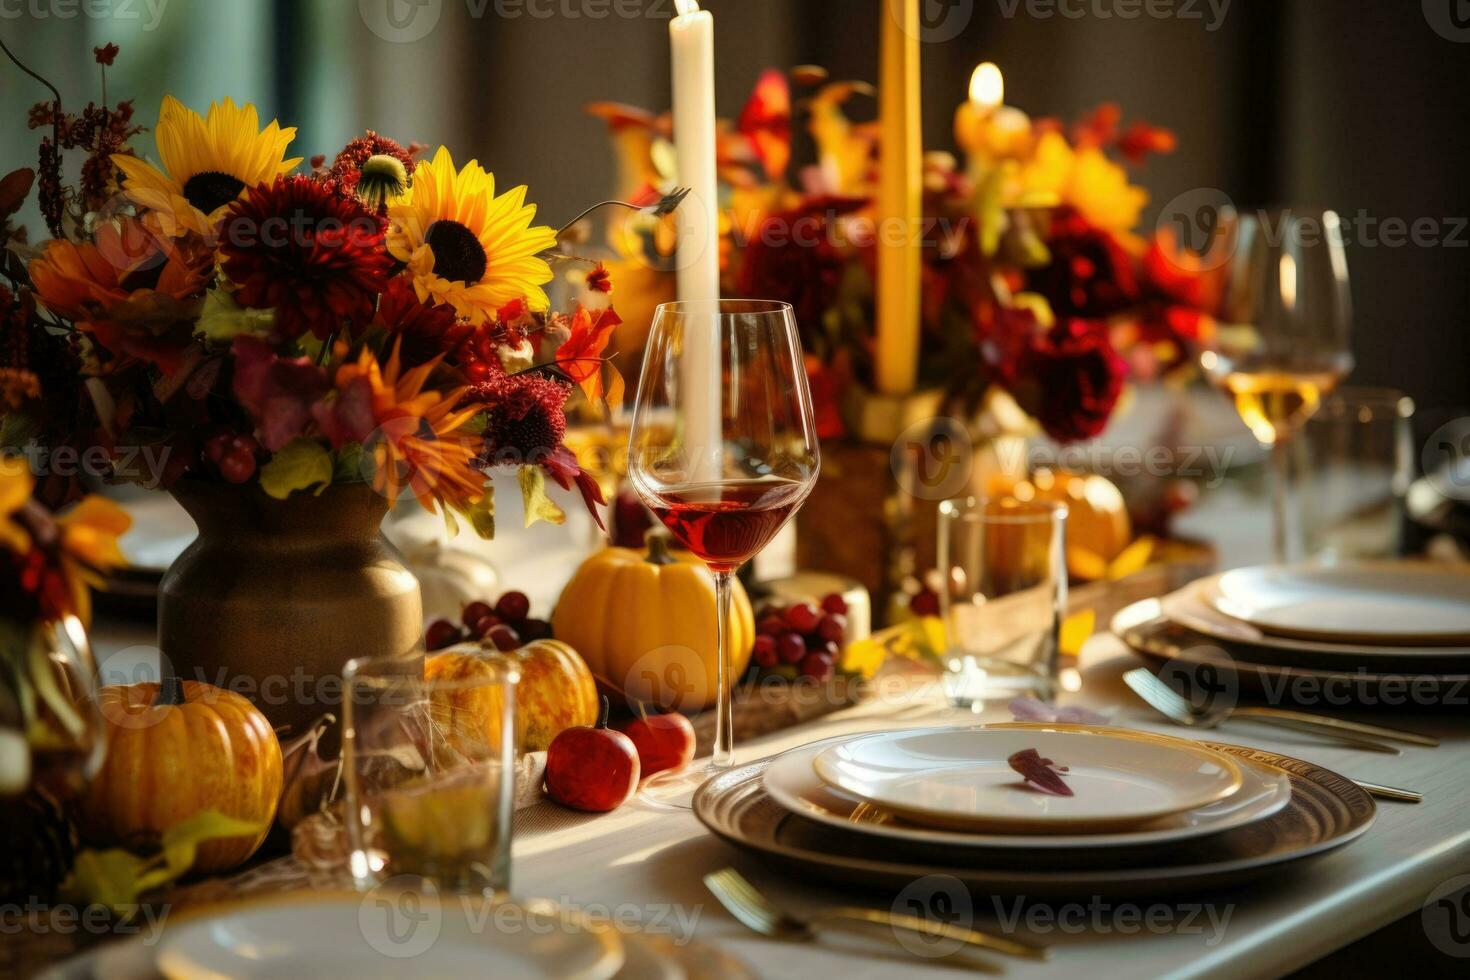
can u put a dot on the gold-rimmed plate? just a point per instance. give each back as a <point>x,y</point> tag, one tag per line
<point>961,779</point>
<point>1326,811</point>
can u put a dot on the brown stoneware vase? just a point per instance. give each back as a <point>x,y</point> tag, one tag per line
<point>276,595</point>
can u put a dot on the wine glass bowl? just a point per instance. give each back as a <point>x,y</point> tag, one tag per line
<point>723,447</point>
<point>1281,338</point>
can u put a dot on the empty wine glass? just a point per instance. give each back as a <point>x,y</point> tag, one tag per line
<point>1281,338</point>
<point>724,450</point>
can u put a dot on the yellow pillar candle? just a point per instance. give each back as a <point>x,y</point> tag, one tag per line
<point>900,199</point>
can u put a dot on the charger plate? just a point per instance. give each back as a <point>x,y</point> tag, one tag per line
<point>1151,633</point>
<point>1326,811</point>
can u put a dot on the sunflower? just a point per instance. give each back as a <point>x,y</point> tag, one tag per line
<point>208,162</point>
<point>416,438</point>
<point>465,246</point>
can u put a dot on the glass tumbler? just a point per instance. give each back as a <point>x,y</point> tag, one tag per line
<point>429,765</point>
<point>1005,588</point>
<point>1357,460</point>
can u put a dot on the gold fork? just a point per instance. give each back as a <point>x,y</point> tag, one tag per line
<point>742,900</point>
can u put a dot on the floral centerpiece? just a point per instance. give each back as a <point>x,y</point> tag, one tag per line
<point>1036,282</point>
<point>289,350</point>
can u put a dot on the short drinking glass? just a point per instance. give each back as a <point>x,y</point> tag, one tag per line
<point>1005,587</point>
<point>429,766</point>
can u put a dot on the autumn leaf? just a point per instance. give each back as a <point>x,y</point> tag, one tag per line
<point>539,507</point>
<point>580,356</point>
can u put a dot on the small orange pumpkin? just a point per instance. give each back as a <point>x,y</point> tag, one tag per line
<point>195,747</point>
<point>556,690</point>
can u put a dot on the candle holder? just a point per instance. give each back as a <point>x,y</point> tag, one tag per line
<point>873,514</point>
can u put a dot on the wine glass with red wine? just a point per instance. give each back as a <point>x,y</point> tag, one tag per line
<point>724,450</point>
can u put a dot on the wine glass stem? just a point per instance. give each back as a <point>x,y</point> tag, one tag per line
<point>1280,497</point>
<point>724,749</point>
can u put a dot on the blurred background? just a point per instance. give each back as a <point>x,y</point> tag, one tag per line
<point>1358,105</point>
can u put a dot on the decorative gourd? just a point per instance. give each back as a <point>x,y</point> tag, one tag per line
<point>191,747</point>
<point>450,578</point>
<point>645,623</point>
<point>1098,527</point>
<point>556,690</point>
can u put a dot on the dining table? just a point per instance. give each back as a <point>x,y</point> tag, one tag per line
<point>642,866</point>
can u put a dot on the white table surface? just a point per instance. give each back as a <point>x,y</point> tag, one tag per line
<point>649,863</point>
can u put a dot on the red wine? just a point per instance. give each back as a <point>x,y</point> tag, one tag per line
<point>726,524</point>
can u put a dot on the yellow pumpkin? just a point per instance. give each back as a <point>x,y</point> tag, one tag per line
<point>556,690</point>
<point>645,623</point>
<point>199,748</point>
<point>1098,527</point>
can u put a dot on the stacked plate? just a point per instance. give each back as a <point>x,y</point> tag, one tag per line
<point>1388,629</point>
<point>1147,813</point>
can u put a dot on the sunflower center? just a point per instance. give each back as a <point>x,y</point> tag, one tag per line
<point>458,254</point>
<point>212,189</point>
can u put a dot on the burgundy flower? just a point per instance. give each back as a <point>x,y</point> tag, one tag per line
<point>1069,378</point>
<point>792,257</point>
<point>313,255</point>
<point>423,332</point>
<point>526,416</point>
<point>1090,275</point>
<point>278,392</point>
<point>374,168</point>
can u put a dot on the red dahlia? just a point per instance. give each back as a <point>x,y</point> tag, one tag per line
<point>424,332</point>
<point>526,417</point>
<point>1070,378</point>
<point>1090,275</point>
<point>312,254</point>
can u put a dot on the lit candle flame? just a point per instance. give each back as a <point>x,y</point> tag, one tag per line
<point>1288,282</point>
<point>686,7</point>
<point>987,86</point>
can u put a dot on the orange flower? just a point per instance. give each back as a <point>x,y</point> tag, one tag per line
<point>580,356</point>
<point>416,440</point>
<point>124,262</point>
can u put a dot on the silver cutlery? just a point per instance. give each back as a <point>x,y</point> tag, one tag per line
<point>1391,792</point>
<point>1179,710</point>
<point>752,908</point>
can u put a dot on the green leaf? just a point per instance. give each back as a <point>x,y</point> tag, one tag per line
<point>481,515</point>
<point>298,465</point>
<point>539,507</point>
<point>107,878</point>
<point>222,318</point>
<point>347,464</point>
<point>17,429</point>
<point>182,840</point>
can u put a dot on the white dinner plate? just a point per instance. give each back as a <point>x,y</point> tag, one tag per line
<point>960,779</point>
<point>1385,603</point>
<point>390,935</point>
<point>792,783</point>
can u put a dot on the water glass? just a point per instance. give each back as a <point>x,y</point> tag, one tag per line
<point>1357,461</point>
<point>1004,566</point>
<point>429,766</point>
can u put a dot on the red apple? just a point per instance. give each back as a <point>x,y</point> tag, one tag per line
<point>594,769</point>
<point>663,741</point>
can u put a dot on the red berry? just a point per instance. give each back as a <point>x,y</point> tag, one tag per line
<point>475,612</point>
<point>817,666</point>
<point>834,604</point>
<point>765,651</point>
<point>503,637</point>
<point>771,625</point>
<point>926,603</point>
<point>513,607</point>
<point>237,466</point>
<point>440,634</point>
<point>833,627</point>
<point>534,629</point>
<point>831,649</point>
<point>216,446</point>
<point>476,370</point>
<point>803,617</point>
<point>791,647</point>
<point>484,625</point>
